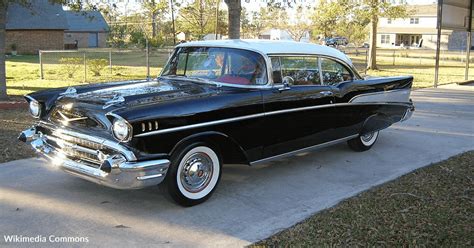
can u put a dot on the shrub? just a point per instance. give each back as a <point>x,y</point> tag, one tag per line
<point>70,65</point>
<point>96,65</point>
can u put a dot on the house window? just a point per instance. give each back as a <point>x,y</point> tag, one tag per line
<point>385,39</point>
<point>414,20</point>
<point>389,21</point>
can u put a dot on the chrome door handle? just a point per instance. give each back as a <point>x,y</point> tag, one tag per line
<point>326,93</point>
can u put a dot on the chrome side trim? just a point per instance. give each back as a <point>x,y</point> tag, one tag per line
<point>398,95</point>
<point>303,150</point>
<point>210,123</point>
<point>203,124</point>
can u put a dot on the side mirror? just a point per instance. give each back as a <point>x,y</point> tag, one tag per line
<point>287,81</point>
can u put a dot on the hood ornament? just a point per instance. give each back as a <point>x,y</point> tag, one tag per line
<point>70,92</point>
<point>117,99</point>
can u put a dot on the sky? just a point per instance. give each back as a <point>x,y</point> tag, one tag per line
<point>251,5</point>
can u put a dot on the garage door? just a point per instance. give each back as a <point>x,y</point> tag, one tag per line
<point>93,40</point>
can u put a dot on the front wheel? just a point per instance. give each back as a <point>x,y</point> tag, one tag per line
<point>363,142</point>
<point>193,174</point>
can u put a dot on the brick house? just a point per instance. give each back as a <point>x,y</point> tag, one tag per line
<point>87,29</point>
<point>39,27</point>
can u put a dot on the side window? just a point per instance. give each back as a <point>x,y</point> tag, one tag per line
<point>304,70</point>
<point>334,72</point>
<point>276,70</point>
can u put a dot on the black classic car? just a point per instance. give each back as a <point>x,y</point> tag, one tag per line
<point>214,103</point>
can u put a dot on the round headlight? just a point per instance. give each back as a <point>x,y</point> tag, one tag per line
<point>121,130</point>
<point>35,108</point>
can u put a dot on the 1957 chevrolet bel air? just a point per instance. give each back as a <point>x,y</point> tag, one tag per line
<point>215,102</point>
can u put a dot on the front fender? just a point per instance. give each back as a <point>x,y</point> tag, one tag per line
<point>228,148</point>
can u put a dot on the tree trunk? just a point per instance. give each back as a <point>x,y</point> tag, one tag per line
<point>3,79</point>
<point>235,8</point>
<point>153,25</point>
<point>372,63</point>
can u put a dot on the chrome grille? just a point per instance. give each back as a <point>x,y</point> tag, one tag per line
<point>73,117</point>
<point>79,149</point>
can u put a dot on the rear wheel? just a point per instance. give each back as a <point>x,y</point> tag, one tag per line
<point>363,142</point>
<point>194,174</point>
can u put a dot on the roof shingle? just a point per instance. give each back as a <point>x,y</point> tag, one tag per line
<point>40,14</point>
<point>86,21</point>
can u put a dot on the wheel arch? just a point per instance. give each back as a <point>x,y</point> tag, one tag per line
<point>228,148</point>
<point>375,122</point>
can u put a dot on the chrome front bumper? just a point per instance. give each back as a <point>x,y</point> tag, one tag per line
<point>114,171</point>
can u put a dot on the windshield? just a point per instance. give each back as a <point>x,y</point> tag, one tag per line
<point>225,65</point>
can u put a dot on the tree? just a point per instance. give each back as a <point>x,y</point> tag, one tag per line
<point>234,7</point>
<point>376,9</point>
<point>327,17</point>
<point>299,27</point>
<point>155,10</point>
<point>197,17</point>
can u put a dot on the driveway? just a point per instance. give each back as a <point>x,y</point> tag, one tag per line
<point>250,204</point>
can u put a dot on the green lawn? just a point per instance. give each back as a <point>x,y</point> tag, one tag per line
<point>419,64</point>
<point>23,72</point>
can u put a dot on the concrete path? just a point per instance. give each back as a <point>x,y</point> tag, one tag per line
<point>250,204</point>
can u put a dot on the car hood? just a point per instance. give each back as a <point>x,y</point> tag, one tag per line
<point>139,93</point>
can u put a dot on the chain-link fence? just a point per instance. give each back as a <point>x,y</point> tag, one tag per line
<point>419,63</point>
<point>98,65</point>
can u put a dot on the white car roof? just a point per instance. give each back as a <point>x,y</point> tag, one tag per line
<point>273,47</point>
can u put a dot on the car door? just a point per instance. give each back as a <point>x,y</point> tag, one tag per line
<point>346,119</point>
<point>296,115</point>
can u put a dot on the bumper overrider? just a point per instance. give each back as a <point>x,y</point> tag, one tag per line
<point>100,161</point>
<point>409,112</point>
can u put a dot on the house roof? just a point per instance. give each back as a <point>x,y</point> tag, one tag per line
<point>40,14</point>
<point>86,21</point>
<point>273,47</point>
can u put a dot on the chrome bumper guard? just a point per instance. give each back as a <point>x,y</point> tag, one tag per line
<point>408,113</point>
<point>118,172</point>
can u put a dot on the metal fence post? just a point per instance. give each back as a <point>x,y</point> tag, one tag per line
<point>85,68</point>
<point>147,60</point>
<point>110,62</point>
<point>366,61</point>
<point>41,64</point>
<point>393,63</point>
<point>468,55</point>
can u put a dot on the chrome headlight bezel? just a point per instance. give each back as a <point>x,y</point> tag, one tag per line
<point>35,108</point>
<point>121,129</point>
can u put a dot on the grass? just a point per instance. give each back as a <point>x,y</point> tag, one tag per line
<point>430,207</point>
<point>419,64</point>
<point>23,72</point>
<point>12,122</point>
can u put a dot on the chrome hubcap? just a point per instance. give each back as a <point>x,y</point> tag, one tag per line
<point>367,137</point>
<point>197,172</point>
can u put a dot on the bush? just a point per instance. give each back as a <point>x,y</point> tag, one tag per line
<point>70,65</point>
<point>96,65</point>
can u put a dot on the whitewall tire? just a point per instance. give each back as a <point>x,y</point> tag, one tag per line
<point>363,142</point>
<point>194,174</point>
